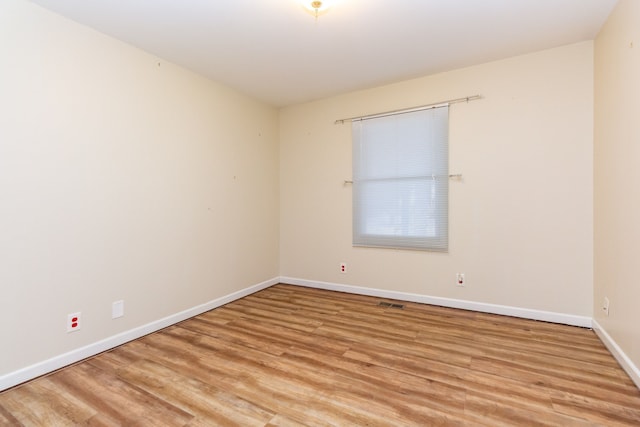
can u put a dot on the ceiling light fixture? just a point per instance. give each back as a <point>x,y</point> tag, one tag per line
<point>316,7</point>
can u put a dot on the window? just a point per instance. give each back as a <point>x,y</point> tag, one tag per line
<point>401,180</point>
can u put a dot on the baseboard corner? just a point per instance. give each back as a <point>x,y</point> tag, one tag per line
<point>627,364</point>
<point>525,313</point>
<point>44,367</point>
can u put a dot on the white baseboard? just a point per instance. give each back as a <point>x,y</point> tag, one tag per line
<point>568,319</point>
<point>30,372</point>
<point>629,367</point>
<point>546,316</point>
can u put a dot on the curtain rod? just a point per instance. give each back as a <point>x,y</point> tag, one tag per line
<point>410,110</point>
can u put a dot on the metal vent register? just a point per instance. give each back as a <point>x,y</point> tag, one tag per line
<point>390,305</point>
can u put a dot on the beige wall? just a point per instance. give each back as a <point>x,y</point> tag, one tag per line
<point>122,176</point>
<point>617,177</point>
<point>521,223</point>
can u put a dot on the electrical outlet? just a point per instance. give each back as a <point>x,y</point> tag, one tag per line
<point>459,279</point>
<point>73,322</point>
<point>605,306</point>
<point>343,268</point>
<point>117,309</point>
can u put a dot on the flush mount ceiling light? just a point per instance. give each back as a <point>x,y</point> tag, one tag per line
<point>316,7</point>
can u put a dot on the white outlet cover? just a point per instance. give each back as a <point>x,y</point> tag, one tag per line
<point>74,322</point>
<point>343,267</point>
<point>117,309</point>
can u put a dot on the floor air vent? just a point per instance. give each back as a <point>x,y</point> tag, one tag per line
<point>390,305</point>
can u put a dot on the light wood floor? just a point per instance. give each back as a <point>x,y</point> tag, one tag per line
<point>291,356</point>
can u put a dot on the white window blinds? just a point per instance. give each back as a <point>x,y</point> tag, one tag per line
<point>401,180</point>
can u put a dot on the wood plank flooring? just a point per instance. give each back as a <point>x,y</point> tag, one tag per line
<point>293,356</point>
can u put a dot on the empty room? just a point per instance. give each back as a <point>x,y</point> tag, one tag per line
<point>311,213</point>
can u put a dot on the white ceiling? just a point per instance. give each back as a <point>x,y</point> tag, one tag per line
<point>277,52</point>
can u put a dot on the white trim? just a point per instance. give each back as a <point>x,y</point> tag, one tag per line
<point>30,372</point>
<point>547,316</point>
<point>41,368</point>
<point>629,367</point>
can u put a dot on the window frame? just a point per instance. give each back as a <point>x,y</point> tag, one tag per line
<point>362,213</point>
